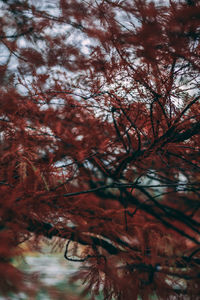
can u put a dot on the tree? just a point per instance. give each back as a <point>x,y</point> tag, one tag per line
<point>100,141</point>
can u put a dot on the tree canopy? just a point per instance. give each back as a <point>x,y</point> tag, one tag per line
<point>100,123</point>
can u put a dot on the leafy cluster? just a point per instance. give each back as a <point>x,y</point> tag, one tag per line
<point>100,123</point>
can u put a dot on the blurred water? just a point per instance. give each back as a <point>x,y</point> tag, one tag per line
<point>52,269</point>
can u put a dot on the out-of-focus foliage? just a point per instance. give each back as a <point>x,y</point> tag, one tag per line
<point>100,122</point>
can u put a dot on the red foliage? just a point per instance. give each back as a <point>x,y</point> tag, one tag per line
<point>99,117</point>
